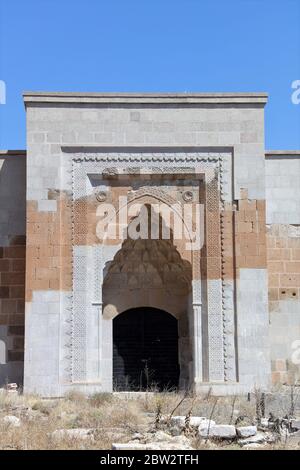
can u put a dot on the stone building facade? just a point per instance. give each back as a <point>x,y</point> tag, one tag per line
<point>93,304</point>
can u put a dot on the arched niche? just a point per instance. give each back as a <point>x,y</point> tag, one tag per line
<point>151,273</point>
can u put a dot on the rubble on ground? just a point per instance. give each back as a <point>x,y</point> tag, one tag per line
<point>178,432</point>
<point>159,440</point>
<point>12,388</point>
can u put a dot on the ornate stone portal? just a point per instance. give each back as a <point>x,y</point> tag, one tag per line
<point>192,285</point>
<point>84,280</point>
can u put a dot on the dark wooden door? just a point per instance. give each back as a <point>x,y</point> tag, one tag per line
<point>145,350</point>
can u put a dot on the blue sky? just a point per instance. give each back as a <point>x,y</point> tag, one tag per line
<point>152,45</point>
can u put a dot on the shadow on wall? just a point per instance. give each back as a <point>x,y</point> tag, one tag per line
<point>2,349</point>
<point>12,266</point>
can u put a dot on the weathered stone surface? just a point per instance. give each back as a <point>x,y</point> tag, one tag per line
<point>246,431</point>
<point>295,424</point>
<point>222,431</point>
<point>200,421</point>
<point>12,386</point>
<point>194,421</point>
<point>12,421</point>
<point>178,421</point>
<point>136,436</point>
<point>161,436</point>
<point>259,438</point>
<point>205,427</point>
<point>264,422</point>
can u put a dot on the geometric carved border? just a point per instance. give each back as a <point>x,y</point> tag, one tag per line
<point>217,168</point>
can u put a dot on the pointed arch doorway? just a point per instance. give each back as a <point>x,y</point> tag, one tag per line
<point>147,294</point>
<point>145,350</point>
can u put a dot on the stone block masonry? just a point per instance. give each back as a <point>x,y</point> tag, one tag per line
<point>283,242</point>
<point>12,265</point>
<point>283,253</point>
<point>283,262</point>
<point>250,229</point>
<point>49,247</point>
<point>12,291</point>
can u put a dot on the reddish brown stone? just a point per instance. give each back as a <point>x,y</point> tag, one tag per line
<point>20,306</point>
<point>9,306</point>
<point>14,251</point>
<point>4,292</point>
<point>16,319</point>
<point>3,319</point>
<point>11,279</point>
<point>4,265</point>
<point>17,292</point>
<point>18,265</point>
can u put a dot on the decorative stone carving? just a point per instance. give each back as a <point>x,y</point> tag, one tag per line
<point>188,196</point>
<point>221,335</point>
<point>150,264</point>
<point>101,196</point>
<point>158,194</point>
<point>134,170</point>
<point>110,172</point>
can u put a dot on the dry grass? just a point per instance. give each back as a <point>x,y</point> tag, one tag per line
<point>116,419</point>
<point>39,418</point>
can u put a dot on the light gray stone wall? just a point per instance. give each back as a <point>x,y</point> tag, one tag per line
<point>283,187</point>
<point>283,221</point>
<point>285,341</point>
<point>253,328</point>
<point>235,122</point>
